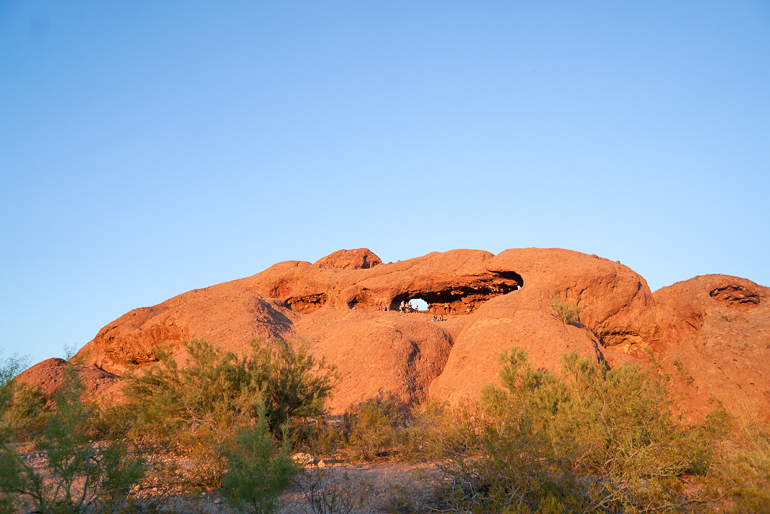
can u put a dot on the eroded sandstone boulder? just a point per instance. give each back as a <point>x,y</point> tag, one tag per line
<point>718,328</point>
<point>49,376</point>
<point>228,314</point>
<point>361,258</point>
<point>480,305</point>
<point>452,279</point>
<point>615,310</point>
<point>378,352</point>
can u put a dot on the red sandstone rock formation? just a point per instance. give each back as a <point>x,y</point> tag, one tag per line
<point>718,327</point>
<point>615,308</point>
<point>49,376</point>
<point>363,258</point>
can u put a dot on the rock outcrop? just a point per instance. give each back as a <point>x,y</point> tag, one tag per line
<point>362,258</point>
<point>716,327</point>
<point>50,376</point>
<point>615,314</point>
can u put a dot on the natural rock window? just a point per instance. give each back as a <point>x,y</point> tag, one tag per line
<point>418,304</point>
<point>459,299</point>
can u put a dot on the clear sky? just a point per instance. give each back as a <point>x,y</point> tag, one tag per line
<point>148,148</point>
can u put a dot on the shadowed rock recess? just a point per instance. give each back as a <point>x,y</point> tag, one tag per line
<point>717,326</point>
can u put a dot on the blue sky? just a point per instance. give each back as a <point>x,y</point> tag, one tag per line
<point>150,148</point>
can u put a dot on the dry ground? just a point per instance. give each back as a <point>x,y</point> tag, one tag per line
<point>384,487</point>
<point>379,487</point>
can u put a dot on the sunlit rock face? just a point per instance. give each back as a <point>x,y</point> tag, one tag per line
<point>346,307</point>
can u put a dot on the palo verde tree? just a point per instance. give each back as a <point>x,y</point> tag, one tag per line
<point>216,392</point>
<point>82,470</point>
<point>589,439</point>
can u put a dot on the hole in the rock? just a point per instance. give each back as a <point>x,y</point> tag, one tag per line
<point>511,275</point>
<point>735,297</point>
<point>418,304</point>
<point>306,304</point>
<point>459,299</point>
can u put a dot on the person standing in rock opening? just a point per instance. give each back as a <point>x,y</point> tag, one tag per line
<point>401,307</point>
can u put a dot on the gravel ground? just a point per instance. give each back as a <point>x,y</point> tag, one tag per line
<point>373,487</point>
<point>381,487</point>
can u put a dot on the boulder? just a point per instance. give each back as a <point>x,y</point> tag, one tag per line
<point>227,314</point>
<point>714,329</point>
<point>615,311</point>
<point>49,376</point>
<point>362,258</point>
<point>378,352</point>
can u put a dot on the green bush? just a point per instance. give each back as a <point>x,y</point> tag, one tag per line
<point>587,440</point>
<point>257,470</point>
<point>743,472</point>
<point>21,407</point>
<point>8,370</point>
<point>566,311</point>
<point>375,427</point>
<point>217,392</point>
<point>294,383</point>
<point>321,435</point>
<point>77,473</point>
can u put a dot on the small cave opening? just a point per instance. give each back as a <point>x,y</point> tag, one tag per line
<point>306,304</point>
<point>456,300</point>
<point>736,297</point>
<point>512,276</point>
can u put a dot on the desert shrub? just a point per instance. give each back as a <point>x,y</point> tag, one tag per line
<point>294,383</point>
<point>587,440</point>
<point>75,473</point>
<point>210,397</point>
<point>21,406</point>
<point>26,413</point>
<point>427,422</point>
<point>203,404</point>
<point>217,392</point>
<point>378,427</point>
<point>257,469</point>
<point>9,368</point>
<point>375,427</point>
<point>332,490</point>
<point>566,310</point>
<point>742,476</point>
<point>321,435</point>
